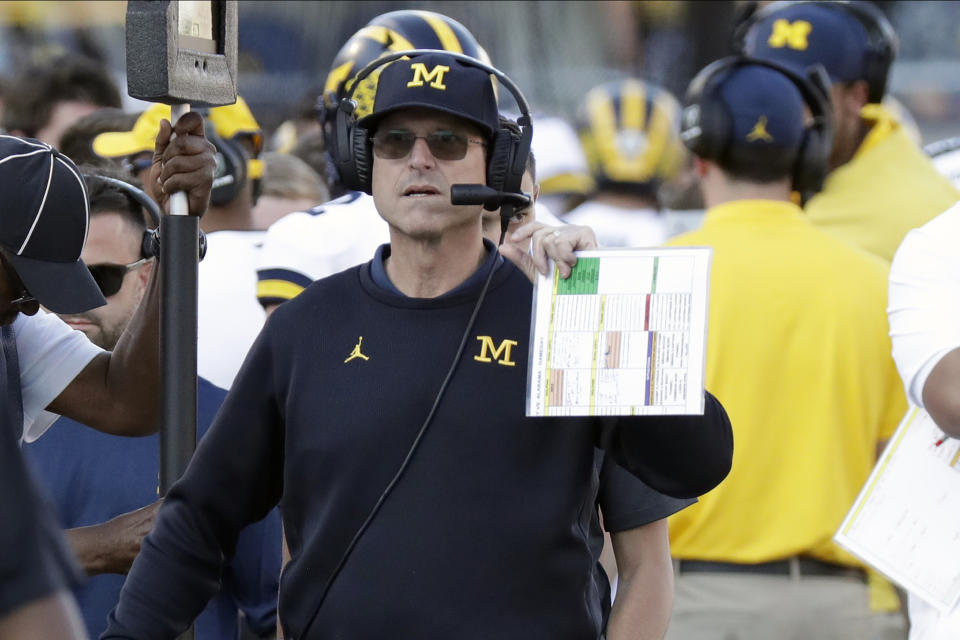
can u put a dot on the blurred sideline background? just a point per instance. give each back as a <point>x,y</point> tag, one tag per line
<point>555,51</point>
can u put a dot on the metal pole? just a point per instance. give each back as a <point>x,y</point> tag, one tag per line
<point>179,247</point>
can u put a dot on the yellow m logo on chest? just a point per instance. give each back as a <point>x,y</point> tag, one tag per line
<point>501,354</point>
<point>790,34</point>
<point>434,76</point>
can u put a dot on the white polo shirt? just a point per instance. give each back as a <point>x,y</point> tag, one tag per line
<point>50,355</point>
<point>924,300</point>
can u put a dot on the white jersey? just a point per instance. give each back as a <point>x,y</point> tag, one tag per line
<point>50,355</point>
<point>618,227</point>
<point>924,312</point>
<point>228,316</point>
<point>924,301</point>
<point>306,246</point>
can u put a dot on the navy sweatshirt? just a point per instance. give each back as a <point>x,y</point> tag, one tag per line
<point>487,533</point>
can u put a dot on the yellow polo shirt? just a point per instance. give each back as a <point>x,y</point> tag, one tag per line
<point>798,353</point>
<point>888,188</point>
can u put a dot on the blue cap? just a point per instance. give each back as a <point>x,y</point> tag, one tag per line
<point>440,82</point>
<point>808,33</point>
<point>766,108</point>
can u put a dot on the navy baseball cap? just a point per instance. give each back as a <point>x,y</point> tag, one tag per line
<point>436,81</point>
<point>45,217</point>
<point>807,33</point>
<point>766,108</point>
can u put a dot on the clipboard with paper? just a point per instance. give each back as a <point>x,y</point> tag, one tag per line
<point>625,334</point>
<point>906,521</point>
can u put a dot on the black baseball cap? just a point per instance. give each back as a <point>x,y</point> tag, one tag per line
<point>440,82</point>
<point>44,219</point>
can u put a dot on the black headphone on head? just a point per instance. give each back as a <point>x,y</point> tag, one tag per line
<point>231,172</point>
<point>881,46</point>
<point>506,162</point>
<point>707,125</point>
<point>150,243</point>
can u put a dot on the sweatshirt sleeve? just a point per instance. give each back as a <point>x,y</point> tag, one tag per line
<point>234,478</point>
<point>681,456</point>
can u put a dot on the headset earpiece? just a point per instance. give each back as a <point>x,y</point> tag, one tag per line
<point>500,162</point>
<point>231,172</point>
<point>362,162</point>
<point>352,157</point>
<point>150,242</point>
<point>706,124</point>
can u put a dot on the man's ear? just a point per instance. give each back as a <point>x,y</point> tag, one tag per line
<point>851,98</point>
<point>143,276</point>
<point>700,166</point>
<point>536,191</point>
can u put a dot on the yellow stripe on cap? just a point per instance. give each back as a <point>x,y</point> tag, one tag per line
<point>281,289</point>
<point>120,144</point>
<point>233,119</point>
<point>448,39</point>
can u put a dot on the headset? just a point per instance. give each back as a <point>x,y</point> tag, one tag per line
<point>150,243</point>
<point>881,45</point>
<point>506,162</point>
<point>707,125</point>
<point>231,172</point>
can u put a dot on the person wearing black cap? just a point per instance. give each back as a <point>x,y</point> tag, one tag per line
<point>48,366</point>
<point>418,501</point>
<point>305,246</point>
<point>798,350</point>
<point>881,184</point>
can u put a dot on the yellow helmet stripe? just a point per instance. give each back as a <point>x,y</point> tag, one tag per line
<point>603,129</point>
<point>375,32</point>
<point>633,106</point>
<point>448,39</point>
<point>663,132</point>
<point>338,77</point>
<point>399,42</point>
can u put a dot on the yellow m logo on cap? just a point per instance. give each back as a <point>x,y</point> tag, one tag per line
<point>790,34</point>
<point>434,76</point>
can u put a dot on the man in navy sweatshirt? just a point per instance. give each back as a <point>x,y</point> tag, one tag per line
<point>418,500</point>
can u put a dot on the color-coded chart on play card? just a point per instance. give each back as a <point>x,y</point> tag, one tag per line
<point>625,334</point>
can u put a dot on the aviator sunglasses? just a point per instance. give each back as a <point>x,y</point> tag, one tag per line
<point>109,277</point>
<point>394,144</point>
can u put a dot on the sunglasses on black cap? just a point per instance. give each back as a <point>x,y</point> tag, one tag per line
<point>109,277</point>
<point>394,144</point>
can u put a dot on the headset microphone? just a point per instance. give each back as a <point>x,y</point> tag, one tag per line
<point>490,198</point>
